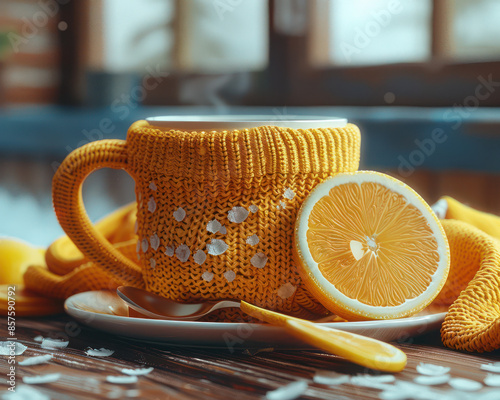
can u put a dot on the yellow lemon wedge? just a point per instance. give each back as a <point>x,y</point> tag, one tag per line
<point>15,257</point>
<point>369,247</point>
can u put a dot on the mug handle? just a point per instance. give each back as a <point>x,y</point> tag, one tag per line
<point>71,214</point>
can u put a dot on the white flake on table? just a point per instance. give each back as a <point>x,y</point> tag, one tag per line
<point>432,369</point>
<point>493,367</point>
<point>25,392</point>
<point>289,194</point>
<point>152,186</point>
<point>154,240</point>
<point>330,378</point>
<point>237,214</point>
<point>152,262</point>
<point>182,252</point>
<point>121,379</point>
<point>429,380</point>
<point>151,205</point>
<point>214,226</point>
<point>199,257</point>
<point>48,343</point>
<point>12,348</point>
<point>492,380</point>
<point>288,392</point>
<point>137,371</point>
<point>169,251</point>
<point>102,352</point>
<point>286,290</point>
<point>216,247</point>
<point>37,360</point>
<point>207,276</point>
<point>372,381</point>
<point>41,379</point>
<point>38,338</point>
<point>179,214</point>
<point>253,208</point>
<point>252,240</point>
<point>144,245</point>
<point>259,260</point>
<point>466,385</point>
<point>229,275</point>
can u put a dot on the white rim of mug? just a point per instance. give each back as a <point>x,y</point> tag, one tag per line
<point>239,122</point>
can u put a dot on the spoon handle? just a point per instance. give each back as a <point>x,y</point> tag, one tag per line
<point>358,349</point>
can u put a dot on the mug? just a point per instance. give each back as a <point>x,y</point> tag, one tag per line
<point>217,199</point>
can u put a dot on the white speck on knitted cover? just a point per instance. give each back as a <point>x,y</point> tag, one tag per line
<point>432,380</point>
<point>214,226</point>
<point>467,385</point>
<point>137,371</point>
<point>223,230</point>
<point>182,252</point>
<point>37,360</point>
<point>252,240</point>
<point>124,379</point>
<point>216,247</point>
<point>289,194</point>
<point>207,276</point>
<point>151,205</point>
<point>48,343</point>
<point>288,392</point>
<point>259,260</point>
<point>253,208</point>
<point>144,245</point>
<point>287,290</point>
<point>493,367</point>
<point>152,186</point>
<point>154,240</point>
<point>238,214</point>
<point>152,262</point>
<point>38,338</point>
<point>492,380</point>
<point>25,392</point>
<point>199,257</point>
<point>179,214</point>
<point>169,251</point>
<point>330,378</point>
<point>283,204</point>
<point>12,348</point>
<point>41,379</point>
<point>102,352</point>
<point>229,275</point>
<point>432,369</point>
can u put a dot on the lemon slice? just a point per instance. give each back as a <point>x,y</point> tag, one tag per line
<point>369,247</point>
<point>15,257</point>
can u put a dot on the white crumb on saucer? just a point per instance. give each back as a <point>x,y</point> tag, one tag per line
<point>252,240</point>
<point>154,240</point>
<point>286,290</point>
<point>259,260</point>
<point>214,226</point>
<point>37,360</point>
<point>199,257</point>
<point>182,252</point>
<point>237,214</point>
<point>41,379</point>
<point>151,205</point>
<point>216,247</point>
<point>122,380</point>
<point>179,214</point>
<point>229,275</point>
<point>207,276</point>
<point>289,194</point>
<point>102,352</point>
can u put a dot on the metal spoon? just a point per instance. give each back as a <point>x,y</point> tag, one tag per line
<point>359,349</point>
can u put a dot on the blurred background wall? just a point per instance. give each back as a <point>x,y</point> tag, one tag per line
<point>420,77</point>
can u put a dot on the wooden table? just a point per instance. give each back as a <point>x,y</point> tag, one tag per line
<point>189,373</point>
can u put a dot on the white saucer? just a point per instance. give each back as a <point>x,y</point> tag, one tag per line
<point>107,312</point>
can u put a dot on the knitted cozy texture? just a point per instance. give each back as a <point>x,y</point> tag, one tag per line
<point>473,285</point>
<point>216,210</point>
